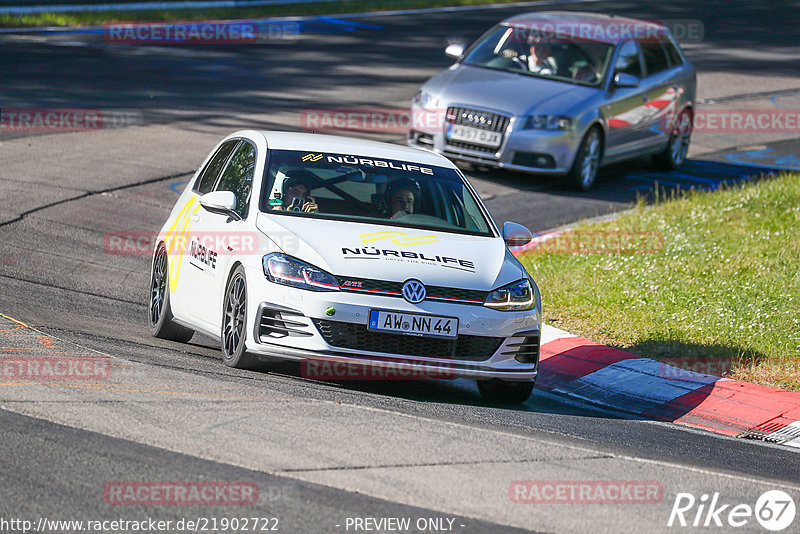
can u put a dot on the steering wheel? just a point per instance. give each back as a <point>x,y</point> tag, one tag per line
<point>523,65</point>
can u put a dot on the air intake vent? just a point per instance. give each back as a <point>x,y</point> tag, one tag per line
<point>525,349</point>
<point>277,323</point>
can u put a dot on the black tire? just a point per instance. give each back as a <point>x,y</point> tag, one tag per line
<point>504,391</point>
<point>234,324</point>
<point>160,318</point>
<point>674,154</point>
<point>583,173</point>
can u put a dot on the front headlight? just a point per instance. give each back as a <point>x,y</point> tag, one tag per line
<point>282,269</point>
<point>547,122</point>
<point>518,296</point>
<point>426,100</point>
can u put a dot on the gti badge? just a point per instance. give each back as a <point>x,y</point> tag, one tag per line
<point>414,292</point>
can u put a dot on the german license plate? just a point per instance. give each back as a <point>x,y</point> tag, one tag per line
<point>413,324</point>
<point>475,136</point>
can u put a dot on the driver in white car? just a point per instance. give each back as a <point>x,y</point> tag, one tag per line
<point>296,186</point>
<point>402,197</point>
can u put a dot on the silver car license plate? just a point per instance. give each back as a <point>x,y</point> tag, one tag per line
<point>413,324</point>
<point>476,136</point>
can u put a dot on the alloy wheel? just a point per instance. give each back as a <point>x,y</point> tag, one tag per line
<point>158,286</point>
<point>680,138</point>
<point>234,316</point>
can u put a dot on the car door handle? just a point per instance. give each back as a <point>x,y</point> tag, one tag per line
<point>195,218</point>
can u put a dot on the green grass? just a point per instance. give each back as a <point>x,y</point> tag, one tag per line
<point>725,287</point>
<point>321,8</point>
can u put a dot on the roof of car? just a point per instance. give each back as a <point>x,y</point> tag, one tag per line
<point>351,145</point>
<point>582,25</point>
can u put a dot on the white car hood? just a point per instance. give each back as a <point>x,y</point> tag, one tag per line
<point>393,253</point>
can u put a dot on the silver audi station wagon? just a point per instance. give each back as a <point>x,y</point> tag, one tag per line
<point>561,94</point>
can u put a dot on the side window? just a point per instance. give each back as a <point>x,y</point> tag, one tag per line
<point>628,60</point>
<point>207,179</point>
<point>655,58</point>
<point>238,176</point>
<point>673,54</point>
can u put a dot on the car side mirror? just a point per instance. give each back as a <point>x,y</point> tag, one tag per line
<point>221,202</point>
<point>622,79</point>
<point>455,50</point>
<point>516,235</point>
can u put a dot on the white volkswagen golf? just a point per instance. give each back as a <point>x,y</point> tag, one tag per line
<point>345,251</point>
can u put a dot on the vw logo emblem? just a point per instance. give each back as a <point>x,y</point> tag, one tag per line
<point>414,291</point>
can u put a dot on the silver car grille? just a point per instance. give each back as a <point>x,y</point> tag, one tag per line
<point>476,118</point>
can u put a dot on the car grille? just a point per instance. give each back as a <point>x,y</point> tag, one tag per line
<point>420,138</point>
<point>476,118</point>
<point>470,146</point>
<point>357,337</point>
<point>395,289</point>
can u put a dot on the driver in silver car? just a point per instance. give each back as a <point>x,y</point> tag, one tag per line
<point>539,58</point>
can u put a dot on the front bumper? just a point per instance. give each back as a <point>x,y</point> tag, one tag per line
<point>294,324</point>
<point>543,152</point>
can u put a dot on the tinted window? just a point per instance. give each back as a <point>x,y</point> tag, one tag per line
<point>522,50</point>
<point>628,60</point>
<point>374,190</point>
<point>207,178</point>
<point>673,54</point>
<point>238,176</point>
<point>655,58</point>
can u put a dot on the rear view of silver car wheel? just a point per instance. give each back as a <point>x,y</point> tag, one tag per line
<point>160,317</point>
<point>677,148</point>
<point>587,160</point>
<point>504,391</point>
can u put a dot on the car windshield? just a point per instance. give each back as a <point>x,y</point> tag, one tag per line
<point>366,189</point>
<point>522,51</point>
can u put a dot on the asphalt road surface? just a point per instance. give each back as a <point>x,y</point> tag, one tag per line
<point>320,452</point>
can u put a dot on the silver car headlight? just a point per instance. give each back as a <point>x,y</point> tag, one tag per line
<point>518,296</point>
<point>426,100</point>
<point>547,122</point>
<point>288,271</point>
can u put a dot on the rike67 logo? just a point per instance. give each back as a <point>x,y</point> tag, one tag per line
<point>774,510</point>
